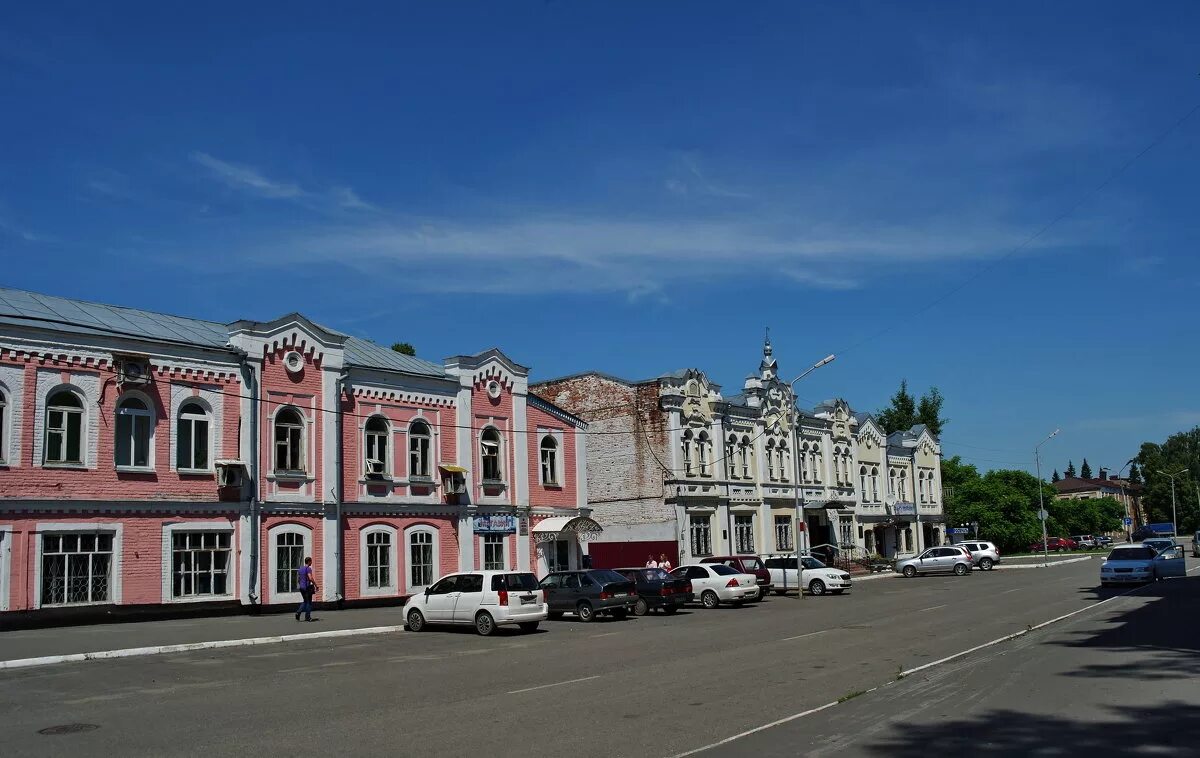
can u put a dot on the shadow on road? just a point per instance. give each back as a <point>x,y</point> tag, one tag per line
<point>1129,731</point>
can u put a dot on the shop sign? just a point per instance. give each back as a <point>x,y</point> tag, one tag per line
<point>495,524</point>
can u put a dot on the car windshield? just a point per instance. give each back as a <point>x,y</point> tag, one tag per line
<point>722,570</point>
<point>605,576</point>
<point>514,582</point>
<point>1131,554</point>
<point>812,563</point>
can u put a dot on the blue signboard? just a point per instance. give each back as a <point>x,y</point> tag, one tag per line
<point>1162,528</point>
<point>904,509</point>
<point>957,530</point>
<point>495,524</point>
<point>1128,521</point>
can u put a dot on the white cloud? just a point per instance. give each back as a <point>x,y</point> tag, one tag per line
<point>246,178</point>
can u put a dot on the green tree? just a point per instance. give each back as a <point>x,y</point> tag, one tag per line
<point>1004,503</point>
<point>1069,471</point>
<point>1055,477</point>
<point>1180,453</point>
<point>1135,475</point>
<point>404,348</point>
<point>929,411</point>
<point>1085,471</point>
<point>901,414</point>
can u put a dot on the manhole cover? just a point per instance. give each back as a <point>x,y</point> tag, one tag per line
<point>68,728</point>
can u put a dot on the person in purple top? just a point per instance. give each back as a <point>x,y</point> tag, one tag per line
<point>307,588</point>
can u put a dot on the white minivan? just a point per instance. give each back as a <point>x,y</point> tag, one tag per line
<point>485,599</point>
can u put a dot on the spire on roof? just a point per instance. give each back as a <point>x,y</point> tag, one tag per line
<point>768,369</point>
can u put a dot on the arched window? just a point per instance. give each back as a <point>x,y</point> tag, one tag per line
<point>3,426</point>
<point>804,472</point>
<point>771,460</point>
<point>875,484</point>
<point>904,485</point>
<point>687,452</point>
<point>378,556</point>
<point>549,450</point>
<point>731,462</point>
<point>422,557</point>
<point>930,488</point>
<point>702,453</point>
<point>376,460</point>
<point>419,459</point>
<point>894,481</point>
<point>862,478</point>
<point>64,428</point>
<point>192,438</point>
<point>289,442</point>
<point>489,450</point>
<point>747,452</point>
<point>816,463</point>
<point>785,461</point>
<point>134,424</point>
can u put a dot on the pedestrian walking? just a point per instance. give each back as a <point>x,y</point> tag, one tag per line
<point>650,562</point>
<point>307,589</point>
<point>663,562</point>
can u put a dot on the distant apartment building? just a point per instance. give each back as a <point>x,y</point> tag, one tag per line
<point>1123,491</point>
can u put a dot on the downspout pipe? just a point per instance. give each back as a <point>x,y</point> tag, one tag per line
<point>248,379</point>
<point>339,420</point>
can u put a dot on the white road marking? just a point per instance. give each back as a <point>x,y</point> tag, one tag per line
<point>606,634</point>
<point>932,608</point>
<point>1014,589</point>
<point>556,684</point>
<point>802,636</point>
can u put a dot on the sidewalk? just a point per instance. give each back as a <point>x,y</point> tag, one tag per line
<point>76,640</point>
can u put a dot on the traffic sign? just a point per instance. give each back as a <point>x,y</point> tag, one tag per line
<point>1043,514</point>
<point>1128,521</point>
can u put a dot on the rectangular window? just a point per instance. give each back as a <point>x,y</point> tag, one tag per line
<point>63,436</point>
<point>701,534</point>
<point>549,465</point>
<point>3,436</point>
<point>200,563</point>
<point>289,555</point>
<point>418,455</point>
<point>420,562</point>
<point>379,559</point>
<point>76,568</point>
<point>493,552</point>
<point>783,533</point>
<point>743,532</point>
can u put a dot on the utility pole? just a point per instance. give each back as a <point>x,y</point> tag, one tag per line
<point>799,485</point>
<point>1041,498</point>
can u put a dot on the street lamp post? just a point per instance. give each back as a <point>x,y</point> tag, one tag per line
<point>1037,461</point>
<point>799,485</point>
<point>1125,501</point>
<point>1174,516</point>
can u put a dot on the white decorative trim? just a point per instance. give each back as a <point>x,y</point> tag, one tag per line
<point>559,458</point>
<point>481,538</point>
<point>12,383</point>
<point>413,589</point>
<point>209,398</point>
<point>5,565</point>
<point>154,419</point>
<point>117,530</point>
<point>272,558</point>
<point>393,552</point>
<point>84,384</point>
<point>233,582</point>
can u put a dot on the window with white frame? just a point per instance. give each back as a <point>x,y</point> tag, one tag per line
<point>64,428</point>
<point>816,463</point>
<point>200,563</point>
<point>783,533</point>
<point>771,460</point>
<point>702,448</point>
<point>700,533</point>
<point>135,424</point>
<point>862,480</point>
<point>378,545</point>
<point>930,485</point>
<point>837,465</point>
<point>921,485</point>
<point>804,472</point>
<point>192,439</point>
<point>731,463</point>
<point>743,532</point>
<point>3,427</point>
<point>421,558</point>
<point>687,452</point>
<point>747,452</point>
<point>493,552</point>
<point>419,461</point>
<point>489,450</point>
<point>375,446</point>
<point>846,533</point>
<point>289,556</point>
<point>76,568</point>
<point>876,495</point>
<point>549,457</point>
<point>785,462</point>
<point>904,485</point>
<point>289,442</point>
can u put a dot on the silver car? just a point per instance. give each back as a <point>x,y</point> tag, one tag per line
<point>1138,564</point>
<point>984,555</point>
<point>937,560</point>
<point>1196,545</point>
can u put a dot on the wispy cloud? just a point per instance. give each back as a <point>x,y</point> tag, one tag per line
<point>10,228</point>
<point>691,180</point>
<point>247,178</point>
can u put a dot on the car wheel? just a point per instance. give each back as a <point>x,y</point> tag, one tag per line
<point>669,610</point>
<point>985,564</point>
<point>528,626</point>
<point>485,624</point>
<point>641,608</point>
<point>709,599</point>
<point>584,612</point>
<point>816,587</point>
<point>416,622</point>
<point>910,571</point>
<point>620,613</point>
<point>961,569</point>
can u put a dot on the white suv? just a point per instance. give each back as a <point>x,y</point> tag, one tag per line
<point>485,599</point>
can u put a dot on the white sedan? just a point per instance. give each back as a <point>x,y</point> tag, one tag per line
<point>817,577</point>
<point>1137,564</point>
<point>716,583</point>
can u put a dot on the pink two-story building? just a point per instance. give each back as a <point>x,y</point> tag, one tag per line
<point>149,460</point>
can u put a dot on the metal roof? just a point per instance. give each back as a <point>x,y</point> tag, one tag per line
<point>366,354</point>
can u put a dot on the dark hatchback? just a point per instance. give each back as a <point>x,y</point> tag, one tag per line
<point>588,593</point>
<point>657,589</point>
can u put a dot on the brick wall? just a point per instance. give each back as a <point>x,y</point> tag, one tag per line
<point>564,494</point>
<point>302,390</point>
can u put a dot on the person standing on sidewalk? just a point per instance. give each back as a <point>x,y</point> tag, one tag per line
<point>307,588</point>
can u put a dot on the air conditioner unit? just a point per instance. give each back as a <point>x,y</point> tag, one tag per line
<point>374,468</point>
<point>230,473</point>
<point>132,369</point>
<point>455,485</point>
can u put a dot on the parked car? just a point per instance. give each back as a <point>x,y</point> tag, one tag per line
<point>1143,532</point>
<point>1084,541</point>
<point>1054,544</point>
<point>1103,540</point>
<point>1196,545</point>
<point>1160,544</point>
<point>746,564</point>
<point>589,593</point>
<point>716,583</point>
<point>937,560</point>
<point>1130,564</point>
<point>984,555</point>
<point>657,589</point>
<point>817,578</point>
<point>485,599</point>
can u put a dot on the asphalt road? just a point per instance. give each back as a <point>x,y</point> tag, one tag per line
<point>652,686</point>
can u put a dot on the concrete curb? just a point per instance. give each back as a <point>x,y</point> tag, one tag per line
<point>48,660</point>
<point>1039,565</point>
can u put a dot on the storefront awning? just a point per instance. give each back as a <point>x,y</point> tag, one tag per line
<point>565,527</point>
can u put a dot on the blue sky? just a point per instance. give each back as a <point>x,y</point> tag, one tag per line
<point>639,187</point>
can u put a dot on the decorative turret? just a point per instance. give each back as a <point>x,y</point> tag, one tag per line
<point>768,369</point>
